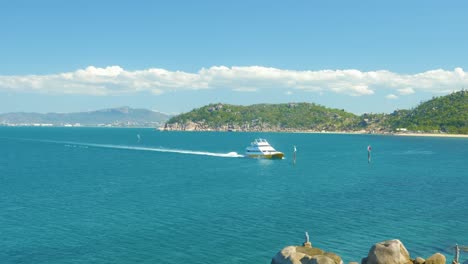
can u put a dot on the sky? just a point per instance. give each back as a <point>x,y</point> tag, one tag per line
<point>173,56</point>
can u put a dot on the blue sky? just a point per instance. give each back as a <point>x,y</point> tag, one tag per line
<point>172,56</point>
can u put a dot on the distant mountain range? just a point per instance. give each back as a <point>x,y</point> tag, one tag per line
<point>118,117</point>
<point>445,114</point>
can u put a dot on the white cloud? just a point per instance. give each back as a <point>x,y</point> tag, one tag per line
<point>244,89</point>
<point>391,97</point>
<point>116,80</point>
<point>406,91</point>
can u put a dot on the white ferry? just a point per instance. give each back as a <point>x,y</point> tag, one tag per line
<point>260,148</point>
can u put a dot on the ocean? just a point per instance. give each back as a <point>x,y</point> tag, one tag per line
<point>114,195</point>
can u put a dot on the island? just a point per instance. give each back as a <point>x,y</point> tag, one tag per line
<point>445,115</point>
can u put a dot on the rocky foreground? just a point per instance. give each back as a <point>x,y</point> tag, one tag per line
<point>386,252</point>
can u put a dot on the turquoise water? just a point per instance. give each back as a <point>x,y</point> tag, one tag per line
<point>97,195</point>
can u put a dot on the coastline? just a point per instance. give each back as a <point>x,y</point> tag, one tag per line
<point>431,135</point>
<point>394,134</point>
<point>359,132</point>
<point>387,134</point>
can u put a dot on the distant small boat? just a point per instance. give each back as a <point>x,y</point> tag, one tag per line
<point>260,148</point>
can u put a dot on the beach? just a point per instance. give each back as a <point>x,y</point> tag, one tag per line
<point>431,135</point>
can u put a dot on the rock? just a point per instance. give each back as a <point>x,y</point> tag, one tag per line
<point>310,251</point>
<point>419,260</point>
<point>388,252</point>
<point>437,258</point>
<point>321,259</point>
<point>289,256</point>
<point>190,126</point>
<point>353,262</point>
<point>337,259</point>
<point>305,255</point>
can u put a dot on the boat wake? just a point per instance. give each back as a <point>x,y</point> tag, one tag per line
<point>72,144</point>
<point>418,152</point>
<point>180,151</point>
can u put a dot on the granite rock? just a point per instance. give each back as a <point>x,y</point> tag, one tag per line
<point>419,260</point>
<point>305,255</point>
<point>388,252</point>
<point>437,258</point>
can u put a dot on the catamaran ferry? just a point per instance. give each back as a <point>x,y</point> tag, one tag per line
<point>260,148</point>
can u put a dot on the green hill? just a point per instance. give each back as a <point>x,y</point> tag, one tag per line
<point>445,114</point>
<point>448,114</point>
<point>265,117</point>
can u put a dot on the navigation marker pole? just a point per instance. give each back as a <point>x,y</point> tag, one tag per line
<point>459,248</point>
<point>294,155</point>
<point>369,149</point>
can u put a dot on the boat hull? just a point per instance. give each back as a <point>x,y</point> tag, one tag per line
<point>266,156</point>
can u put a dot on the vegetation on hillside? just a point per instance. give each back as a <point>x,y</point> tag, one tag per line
<point>446,114</point>
<point>300,116</point>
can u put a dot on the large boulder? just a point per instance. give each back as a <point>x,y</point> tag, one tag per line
<point>388,252</point>
<point>305,255</point>
<point>419,260</point>
<point>437,258</point>
<point>288,255</point>
<point>337,259</point>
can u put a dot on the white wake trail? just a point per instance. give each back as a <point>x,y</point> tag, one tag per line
<point>160,149</point>
<point>180,151</point>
